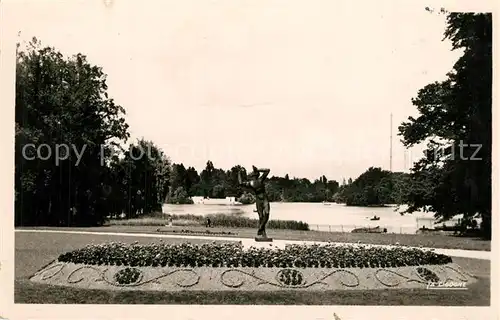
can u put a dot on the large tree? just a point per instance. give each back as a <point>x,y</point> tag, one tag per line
<point>62,101</point>
<point>455,121</point>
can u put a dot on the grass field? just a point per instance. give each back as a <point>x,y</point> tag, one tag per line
<point>477,295</point>
<point>425,240</point>
<point>34,250</point>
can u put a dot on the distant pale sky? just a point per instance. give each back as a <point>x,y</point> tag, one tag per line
<point>301,87</point>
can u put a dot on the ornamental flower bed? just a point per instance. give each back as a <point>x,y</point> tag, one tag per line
<point>127,276</point>
<point>233,255</point>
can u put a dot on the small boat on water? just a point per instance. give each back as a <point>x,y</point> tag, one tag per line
<point>375,218</point>
<point>327,203</point>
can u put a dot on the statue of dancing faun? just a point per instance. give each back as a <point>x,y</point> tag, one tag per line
<point>256,184</point>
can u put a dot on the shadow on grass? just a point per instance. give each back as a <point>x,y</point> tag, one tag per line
<point>478,294</point>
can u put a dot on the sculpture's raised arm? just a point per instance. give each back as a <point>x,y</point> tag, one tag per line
<point>242,183</point>
<point>265,173</point>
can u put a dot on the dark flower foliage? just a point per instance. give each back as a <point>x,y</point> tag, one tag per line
<point>233,255</point>
<point>127,276</point>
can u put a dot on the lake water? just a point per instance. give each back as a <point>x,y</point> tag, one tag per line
<point>333,217</point>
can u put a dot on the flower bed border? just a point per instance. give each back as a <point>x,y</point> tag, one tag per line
<point>245,279</point>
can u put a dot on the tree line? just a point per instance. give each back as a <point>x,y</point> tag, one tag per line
<point>64,101</point>
<point>214,182</point>
<point>375,187</point>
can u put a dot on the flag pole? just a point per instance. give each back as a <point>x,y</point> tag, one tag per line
<point>390,155</point>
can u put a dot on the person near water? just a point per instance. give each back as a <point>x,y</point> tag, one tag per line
<point>169,221</point>
<point>256,185</point>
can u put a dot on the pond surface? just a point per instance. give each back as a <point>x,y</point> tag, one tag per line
<point>331,217</point>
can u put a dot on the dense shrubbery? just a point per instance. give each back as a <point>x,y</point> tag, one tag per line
<point>179,196</point>
<point>246,198</point>
<point>288,224</point>
<point>216,220</point>
<point>221,220</point>
<point>183,231</point>
<point>233,255</point>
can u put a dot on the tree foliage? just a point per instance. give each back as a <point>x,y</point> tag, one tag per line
<point>456,111</point>
<point>143,176</point>
<point>374,187</point>
<point>62,101</point>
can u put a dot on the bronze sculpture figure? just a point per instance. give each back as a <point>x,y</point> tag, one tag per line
<point>257,186</point>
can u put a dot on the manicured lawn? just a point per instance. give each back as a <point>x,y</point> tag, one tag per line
<point>477,295</point>
<point>431,241</point>
<point>34,250</point>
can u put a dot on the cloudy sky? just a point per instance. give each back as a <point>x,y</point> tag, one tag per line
<point>301,87</point>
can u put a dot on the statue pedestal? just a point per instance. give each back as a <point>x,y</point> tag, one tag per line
<point>263,239</point>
